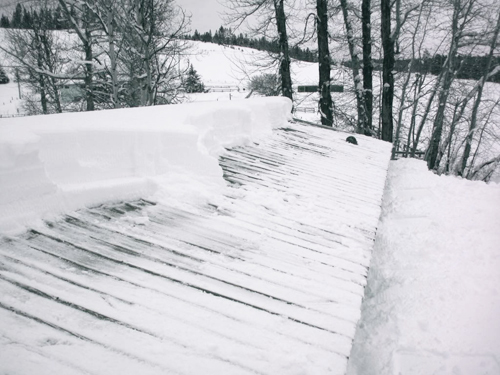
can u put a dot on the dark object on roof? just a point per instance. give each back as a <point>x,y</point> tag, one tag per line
<point>352,140</point>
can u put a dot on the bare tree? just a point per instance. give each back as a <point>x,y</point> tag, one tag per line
<point>84,29</point>
<point>270,14</point>
<point>106,14</point>
<point>152,48</point>
<point>390,44</point>
<point>480,87</point>
<point>420,26</point>
<point>366,23</point>
<point>358,85</point>
<point>37,53</point>
<point>285,74</point>
<point>388,68</point>
<point>463,13</point>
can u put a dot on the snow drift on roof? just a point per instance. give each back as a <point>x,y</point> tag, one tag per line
<point>57,163</point>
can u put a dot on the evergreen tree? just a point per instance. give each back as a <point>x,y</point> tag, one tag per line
<point>227,37</point>
<point>3,76</point>
<point>4,22</point>
<point>27,22</point>
<point>193,81</point>
<point>58,19</point>
<point>17,17</point>
<point>207,37</point>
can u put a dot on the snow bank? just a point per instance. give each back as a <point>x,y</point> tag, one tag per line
<point>57,163</point>
<point>432,305</point>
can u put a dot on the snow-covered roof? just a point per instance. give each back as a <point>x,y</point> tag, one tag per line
<point>266,277</point>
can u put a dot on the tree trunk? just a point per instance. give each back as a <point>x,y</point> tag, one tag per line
<point>89,69</point>
<point>433,152</point>
<point>41,77</point>
<point>460,11</point>
<point>426,114</point>
<point>367,63</point>
<point>449,142</point>
<point>48,55</point>
<point>413,122</point>
<point>358,86</point>
<point>286,80</point>
<point>85,37</point>
<point>113,59</point>
<point>89,72</point>
<point>388,67</point>
<point>402,101</point>
<point>475,108</point>
<point>325,100</point>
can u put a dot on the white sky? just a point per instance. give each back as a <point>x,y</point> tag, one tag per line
<point>206,14</point>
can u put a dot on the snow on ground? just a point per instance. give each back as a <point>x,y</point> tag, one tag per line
<point>432,304</point>
<point>58,163</point>
<point>10,104</point>
<point>220,65</point>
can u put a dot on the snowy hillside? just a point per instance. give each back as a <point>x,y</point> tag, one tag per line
<point>233,65</point>
<point>10,103</point>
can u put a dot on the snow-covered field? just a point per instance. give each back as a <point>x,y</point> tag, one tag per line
<point>10,103</point>
<point>220,65</point>
<point>432,304</point>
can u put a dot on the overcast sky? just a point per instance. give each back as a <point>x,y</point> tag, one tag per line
<point>205,13</point>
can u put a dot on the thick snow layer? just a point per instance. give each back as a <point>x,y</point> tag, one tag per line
<point>432,305</point>
<point>52,164</point>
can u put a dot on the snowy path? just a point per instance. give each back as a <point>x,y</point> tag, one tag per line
<point>266,279</point>
<point>433,295</point>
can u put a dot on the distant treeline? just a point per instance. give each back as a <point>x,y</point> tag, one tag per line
<point>22,18</point>
<point>227,37</point>
<point>467,67</point>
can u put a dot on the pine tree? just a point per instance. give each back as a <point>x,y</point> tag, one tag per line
<point>3,76</point>
<point>17,17</point>
<point>27,21</point>
<point>193,81</point>
<point>4,22</point>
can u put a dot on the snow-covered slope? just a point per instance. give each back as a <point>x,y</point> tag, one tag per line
<point>10,103</point>
<point>233,65</point>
